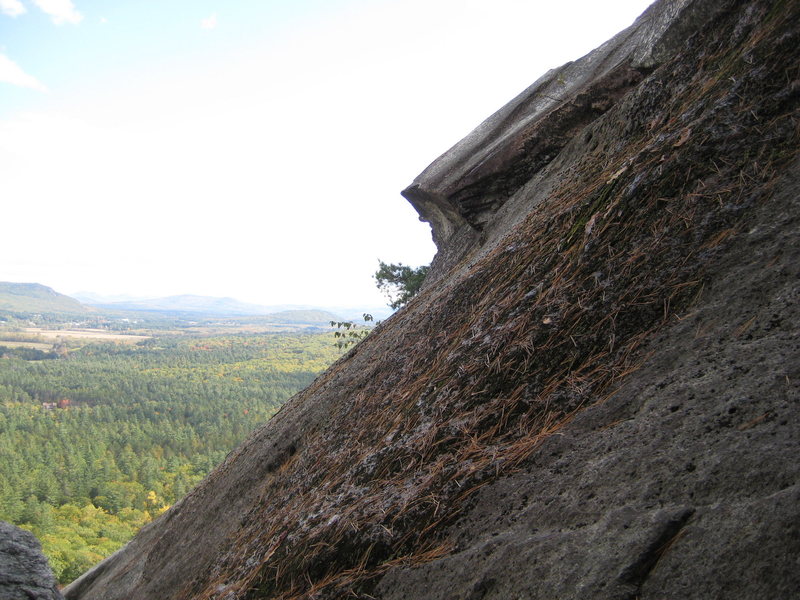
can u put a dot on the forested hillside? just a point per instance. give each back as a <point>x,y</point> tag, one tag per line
<point>95,444</point>
<point>37,298</point>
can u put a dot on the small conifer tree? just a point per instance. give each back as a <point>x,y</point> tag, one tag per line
<point>399,282</point>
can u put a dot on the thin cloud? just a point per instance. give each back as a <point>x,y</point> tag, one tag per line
<point>12,8</point>
<point>10,72</point>
<point>60,11</point>
<point>209,22</point>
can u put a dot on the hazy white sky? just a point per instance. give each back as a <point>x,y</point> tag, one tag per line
<point>244,148</point>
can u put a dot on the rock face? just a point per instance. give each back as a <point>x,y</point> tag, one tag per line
<point>596,393</point>
<point>24,572</point>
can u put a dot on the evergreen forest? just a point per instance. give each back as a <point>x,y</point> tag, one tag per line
<point>97,441</point>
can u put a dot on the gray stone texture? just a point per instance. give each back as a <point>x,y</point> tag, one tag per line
<point>684,484</point>
<point>24,572</point>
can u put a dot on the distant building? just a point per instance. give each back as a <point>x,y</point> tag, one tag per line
<point>62,403</point>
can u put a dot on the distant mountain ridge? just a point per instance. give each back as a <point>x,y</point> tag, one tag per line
<point>226,306</point>
<point>33,298</point>
<point>37,298</point>
<point>223,307</point>
<point>188,303</point>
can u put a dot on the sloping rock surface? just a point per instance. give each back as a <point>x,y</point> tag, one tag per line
<point>681,485</point>
<point>24,572</point>
<point>596,393</point>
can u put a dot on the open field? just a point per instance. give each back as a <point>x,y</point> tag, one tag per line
<point>18,344</point>
<point>43,339</point>
<point>224,329</point>
<point>85,334</point>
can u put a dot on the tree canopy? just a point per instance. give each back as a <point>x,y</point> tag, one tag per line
<point>96,443</point>
<point>399,282</point>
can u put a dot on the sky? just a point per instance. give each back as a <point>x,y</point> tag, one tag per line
<point>254,149</point>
